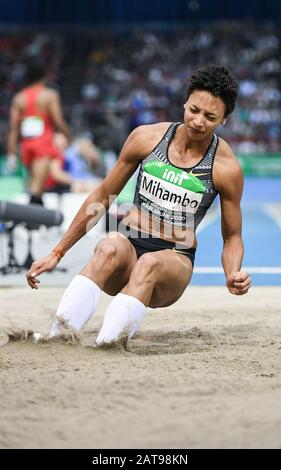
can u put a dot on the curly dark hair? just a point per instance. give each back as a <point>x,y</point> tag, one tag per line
<point>218,81</point>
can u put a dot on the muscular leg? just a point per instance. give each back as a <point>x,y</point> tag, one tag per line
<point>157,280</point>
<point>112,263</point>
<point>38,173</point>
<point>109,270</point>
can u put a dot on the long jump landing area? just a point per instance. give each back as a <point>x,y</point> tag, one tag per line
<point>204,373</point>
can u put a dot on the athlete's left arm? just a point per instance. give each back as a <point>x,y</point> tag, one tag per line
<point>56,114</point>
<point>229,182</point>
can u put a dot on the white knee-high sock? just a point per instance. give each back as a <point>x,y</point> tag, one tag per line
<point>77,304</point>
<point>124,313</point>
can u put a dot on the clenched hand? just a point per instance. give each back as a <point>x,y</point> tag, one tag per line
<point>238,283</point>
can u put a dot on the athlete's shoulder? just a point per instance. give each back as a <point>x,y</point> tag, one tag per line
<point>18,100</point>
<point>49,92</point>
<point>226,158</point>
<point>143,139</point>
<point>226,166</point>
<point>224,149</point>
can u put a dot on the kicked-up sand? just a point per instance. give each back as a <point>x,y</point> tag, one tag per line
<point>203,373</point>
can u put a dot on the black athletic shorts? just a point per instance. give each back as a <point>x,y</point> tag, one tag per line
<point>150,244</point>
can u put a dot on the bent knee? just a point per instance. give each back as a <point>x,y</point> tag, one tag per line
<point>106,250</point>
<point>147,263</point>
<point>105,259</point>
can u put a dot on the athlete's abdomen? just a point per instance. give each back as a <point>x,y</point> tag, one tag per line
<point>145,223</point>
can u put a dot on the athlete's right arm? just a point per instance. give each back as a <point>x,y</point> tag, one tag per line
<point>133,151</point>
<point>56,114</point>
<point>13,132</point>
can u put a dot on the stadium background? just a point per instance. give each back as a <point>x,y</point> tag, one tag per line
<point>118,64</point>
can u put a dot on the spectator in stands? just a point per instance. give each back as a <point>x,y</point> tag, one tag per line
<point>138,77</point>
<point>73,168</point>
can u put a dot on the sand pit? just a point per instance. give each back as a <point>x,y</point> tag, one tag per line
<point>204,373</point>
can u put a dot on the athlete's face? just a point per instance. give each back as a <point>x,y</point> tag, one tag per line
<point>204,112</point>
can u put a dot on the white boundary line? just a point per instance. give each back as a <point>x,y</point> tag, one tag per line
<point>249,269</point>
<point>273,212</point>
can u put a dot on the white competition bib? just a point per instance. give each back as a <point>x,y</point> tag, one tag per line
<point>32,126</point>
<point>169,193</point>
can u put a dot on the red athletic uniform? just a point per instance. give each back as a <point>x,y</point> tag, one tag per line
<point>36,130</point>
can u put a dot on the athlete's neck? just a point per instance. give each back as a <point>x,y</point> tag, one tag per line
<point>41,83</point>
<point>184,145</point>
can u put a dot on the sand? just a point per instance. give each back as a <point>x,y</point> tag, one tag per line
<point>204,373</point>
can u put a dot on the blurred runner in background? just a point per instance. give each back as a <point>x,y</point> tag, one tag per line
<point>35,114</point>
